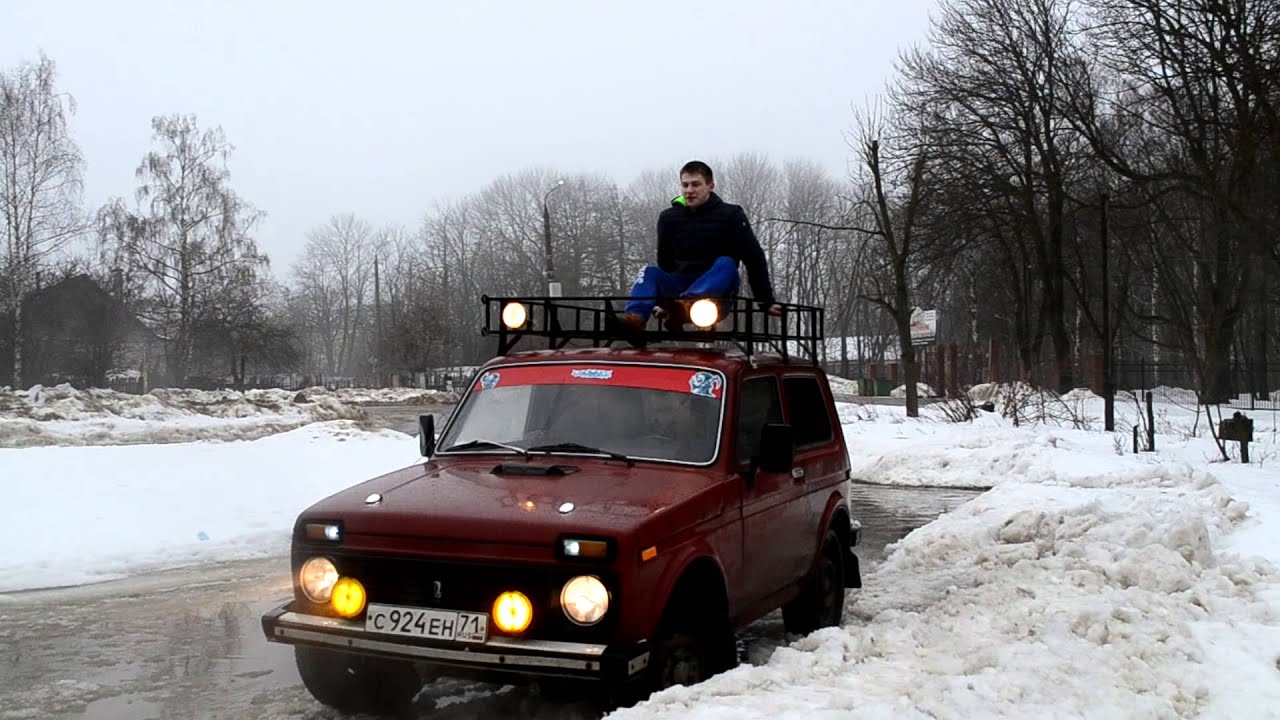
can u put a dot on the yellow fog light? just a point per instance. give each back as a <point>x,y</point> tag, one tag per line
<point>585,599</point>
<point>704,313</point>
<point>348,597</point>
<point>317,577</point>
<point>512,612</point>
<point>514,315</point>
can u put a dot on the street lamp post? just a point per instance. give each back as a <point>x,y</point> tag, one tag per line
<point>553,287</point>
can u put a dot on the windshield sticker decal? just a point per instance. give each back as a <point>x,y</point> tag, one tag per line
<point>607,378</point>
<point>592,374</point>
<point>705,384</point>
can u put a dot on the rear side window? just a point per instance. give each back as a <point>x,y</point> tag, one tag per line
<point>759,405</point>
<point>807,410</point>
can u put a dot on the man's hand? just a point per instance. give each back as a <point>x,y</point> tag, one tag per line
<point>775,310</point>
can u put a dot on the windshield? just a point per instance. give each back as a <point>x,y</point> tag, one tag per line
<point>642,412</point>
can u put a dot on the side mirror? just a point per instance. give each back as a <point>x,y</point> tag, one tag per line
<point>777,448</point>
<point>426,435</point>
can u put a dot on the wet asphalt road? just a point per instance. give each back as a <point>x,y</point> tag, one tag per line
<point>188,643</point>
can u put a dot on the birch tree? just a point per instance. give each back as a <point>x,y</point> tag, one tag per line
<point>40,186</point>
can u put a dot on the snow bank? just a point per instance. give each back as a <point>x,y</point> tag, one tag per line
<point>922,390</point>
<point>382,396</point>
<point>843,387</point>
<point>1087,584</point>
<point>64,415</point>
<point>86,514</point>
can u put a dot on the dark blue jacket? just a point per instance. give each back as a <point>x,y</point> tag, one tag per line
<point>690,240</point>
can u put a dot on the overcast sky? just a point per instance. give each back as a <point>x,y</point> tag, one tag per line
<point>382,109</point>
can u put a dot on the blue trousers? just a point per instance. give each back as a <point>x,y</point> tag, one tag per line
<point>720,281</point>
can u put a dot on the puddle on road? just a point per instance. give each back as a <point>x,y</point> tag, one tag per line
<point>889,512</point>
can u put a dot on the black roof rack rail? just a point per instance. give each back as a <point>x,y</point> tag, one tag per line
<point>743,322</point>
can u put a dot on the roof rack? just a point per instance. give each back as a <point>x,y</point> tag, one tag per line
<point>742,322</point>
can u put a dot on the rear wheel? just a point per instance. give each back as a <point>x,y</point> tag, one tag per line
<point>353,683</point>
<point>821,603</point>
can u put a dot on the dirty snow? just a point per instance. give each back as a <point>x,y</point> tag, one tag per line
<point>922,390</point>
<point>63,415</point>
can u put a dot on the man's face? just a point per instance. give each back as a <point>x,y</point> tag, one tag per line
<point>695,188</point>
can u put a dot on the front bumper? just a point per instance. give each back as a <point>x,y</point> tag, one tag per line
<point>545,658</point>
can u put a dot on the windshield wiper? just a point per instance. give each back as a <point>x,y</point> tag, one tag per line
<point>479,443</point>
<point>579,447</point>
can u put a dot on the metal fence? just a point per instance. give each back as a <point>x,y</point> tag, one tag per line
<point>1251,385</point>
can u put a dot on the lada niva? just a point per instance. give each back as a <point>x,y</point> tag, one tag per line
<point>587,513</point>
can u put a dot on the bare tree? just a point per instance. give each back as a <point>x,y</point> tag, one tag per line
<point>40,185</point>
<point>335,278</point>
<point>895,196</point>
<point>190,241</point>
<point>1184,107</point>
<point>989,86</point>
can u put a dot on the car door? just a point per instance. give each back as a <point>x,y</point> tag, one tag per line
<point>770,518</point>
<point>820,464</point>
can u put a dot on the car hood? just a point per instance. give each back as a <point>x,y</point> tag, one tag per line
<point>466,500</point>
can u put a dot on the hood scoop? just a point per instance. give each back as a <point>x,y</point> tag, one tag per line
<point>532,469</point>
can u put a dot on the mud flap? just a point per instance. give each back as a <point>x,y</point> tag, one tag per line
<point>852,573</point>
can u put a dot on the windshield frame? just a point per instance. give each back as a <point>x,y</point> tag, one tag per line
<point>715,456</point>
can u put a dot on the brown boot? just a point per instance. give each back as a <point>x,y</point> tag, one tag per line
<point>632,321</point>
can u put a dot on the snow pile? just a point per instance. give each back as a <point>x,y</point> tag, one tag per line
<point>1005,394</point>
<point>64,415</point>
<point>922,390</point>
<point>1085,585</point>
<point>381,396</point>
<point>843,387</point>
<point>85,514</point>
<point>1081,395</point>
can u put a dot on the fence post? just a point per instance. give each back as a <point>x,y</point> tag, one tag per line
<point>1151,424</point>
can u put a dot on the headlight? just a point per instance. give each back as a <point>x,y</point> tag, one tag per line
<point>704,313</point>
<point>514,315</point>
<point>317,579</point>
<point>585,599</point>
<point>348,597</point>
<point>512,612</point>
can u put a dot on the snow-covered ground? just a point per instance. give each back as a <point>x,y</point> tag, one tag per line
<point>64,415</point>
<point>85,514</point>
<point>1087,582</point>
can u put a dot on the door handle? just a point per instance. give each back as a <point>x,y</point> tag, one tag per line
<point>797,474</point>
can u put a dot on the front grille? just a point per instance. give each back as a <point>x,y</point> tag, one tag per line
<point>474,587</point>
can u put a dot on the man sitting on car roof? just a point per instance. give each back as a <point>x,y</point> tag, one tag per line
<point>701,241</point>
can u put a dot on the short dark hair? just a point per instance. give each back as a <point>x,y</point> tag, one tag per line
<point>697,167</point>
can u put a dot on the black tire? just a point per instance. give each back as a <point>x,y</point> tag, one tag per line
<point>690,648</point>
<point>358,684</point>
<point>821,603</point>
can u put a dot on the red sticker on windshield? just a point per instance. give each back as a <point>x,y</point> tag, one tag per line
<point>702,382</point>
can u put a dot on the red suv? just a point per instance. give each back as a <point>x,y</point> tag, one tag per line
<point>600,513</point>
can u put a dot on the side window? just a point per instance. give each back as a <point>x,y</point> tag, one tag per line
<point>807,410</point>
<point>758,405</point>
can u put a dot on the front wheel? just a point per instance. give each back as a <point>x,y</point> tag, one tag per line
<point>821,603</point>
<point>355,684</point>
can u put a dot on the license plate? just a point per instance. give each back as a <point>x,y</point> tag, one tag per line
<point>452,625</point>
